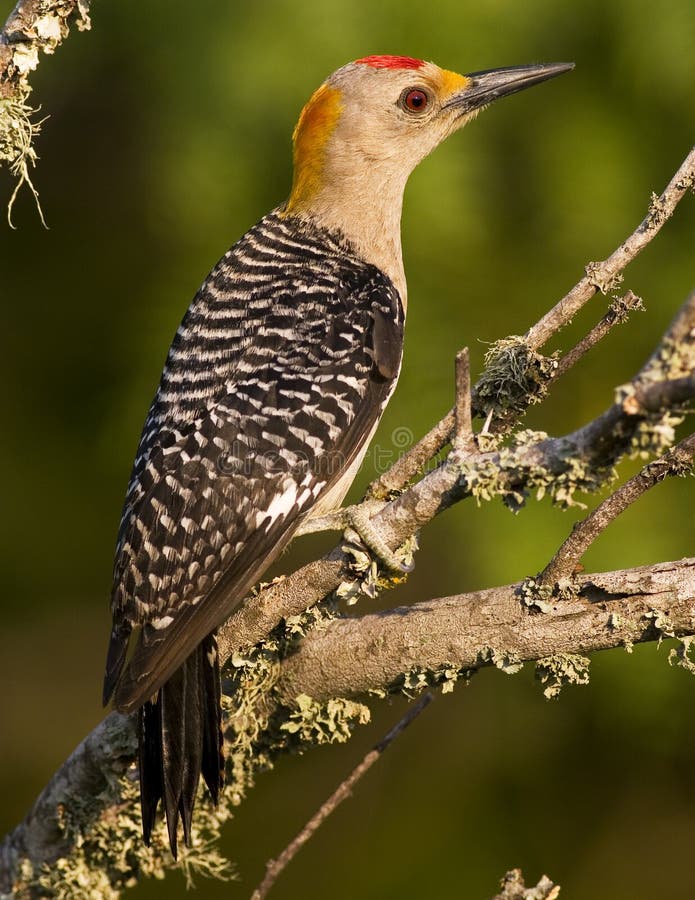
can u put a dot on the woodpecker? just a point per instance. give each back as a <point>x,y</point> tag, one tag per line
<point>272,389</point>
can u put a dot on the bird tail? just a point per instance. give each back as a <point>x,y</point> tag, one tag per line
<point>180,737</point>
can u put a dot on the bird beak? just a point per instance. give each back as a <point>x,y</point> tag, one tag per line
<point>484,87</point>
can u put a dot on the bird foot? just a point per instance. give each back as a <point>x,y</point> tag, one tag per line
<point>361,527</point>
<point>356,522</point>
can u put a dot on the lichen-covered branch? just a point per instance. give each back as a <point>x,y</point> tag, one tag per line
<point>605,276</point>
<point>676,461</point>
<point>451,636</point>
<point>581,461</point>
<point>33,27</point>
<point>85,824</point>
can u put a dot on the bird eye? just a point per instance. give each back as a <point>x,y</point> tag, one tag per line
<point>414,100</point>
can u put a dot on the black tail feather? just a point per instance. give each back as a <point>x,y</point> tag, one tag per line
<point>193,738</point>
<point>150,747</point>
<point>213,739</point>
<point>174,725</point>
<point>180,736</point>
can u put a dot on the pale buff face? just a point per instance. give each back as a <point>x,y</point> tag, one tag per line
<point>361,121</point>
<point>378,124</point>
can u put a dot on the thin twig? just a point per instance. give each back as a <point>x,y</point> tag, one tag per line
<point>615,315</point>
<point>411,463</point>
<point>274,867</point>
<point>603,276</point>
<point>463,425</point>
<point>676,461</point>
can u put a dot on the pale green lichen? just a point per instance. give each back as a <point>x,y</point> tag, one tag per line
<point>560,669</point>
<point>370,578</point>
<point>621,307</point>
<point>260,727</point>
<point>658,211</point>
<point>311,722</point>
<point>681,655</point>
<point>615,620</point>
<point>446,676</point>
<point>654,435</point>
<point>535,594</point>
<point>17,133</point>
<point>482,479</point>
<point>418,679</point>
<point>515,377</point>
<point>487,442</point>
<point>675,359</point>
<point>505,662</point>
<point>511,477</point>
<point>661,623</point>
<point>255,734</point>
<point>108,854</point>
<point>657,432</point>
<point>514,888</point>
<point>17,127</point>
<point>603,281</point>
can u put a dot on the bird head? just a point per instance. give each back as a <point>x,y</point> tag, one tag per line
<point>368,126</point>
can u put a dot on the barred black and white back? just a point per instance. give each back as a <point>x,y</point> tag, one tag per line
<point>272,388</point>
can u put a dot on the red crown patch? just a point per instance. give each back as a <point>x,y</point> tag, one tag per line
<point>391,62</point>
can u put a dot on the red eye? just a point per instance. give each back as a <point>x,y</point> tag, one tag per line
<point>415,100</point>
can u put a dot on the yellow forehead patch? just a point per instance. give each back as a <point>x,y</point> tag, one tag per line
<point>316,123</point>
<point>451,82</point>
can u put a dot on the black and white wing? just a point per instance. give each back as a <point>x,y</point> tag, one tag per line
<point>273,386</point>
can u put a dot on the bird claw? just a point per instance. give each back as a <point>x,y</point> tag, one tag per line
<point>370,539</point>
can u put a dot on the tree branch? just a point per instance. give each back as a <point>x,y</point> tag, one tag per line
<point>596,446</point>
<point>463,426</point>
<point>348,657</point>
<point>445,637</point>
<point>677,461</point>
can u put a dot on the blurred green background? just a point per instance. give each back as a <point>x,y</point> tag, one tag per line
<point>169,135</point>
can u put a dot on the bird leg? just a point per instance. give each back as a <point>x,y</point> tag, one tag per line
<point>333,521</point>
